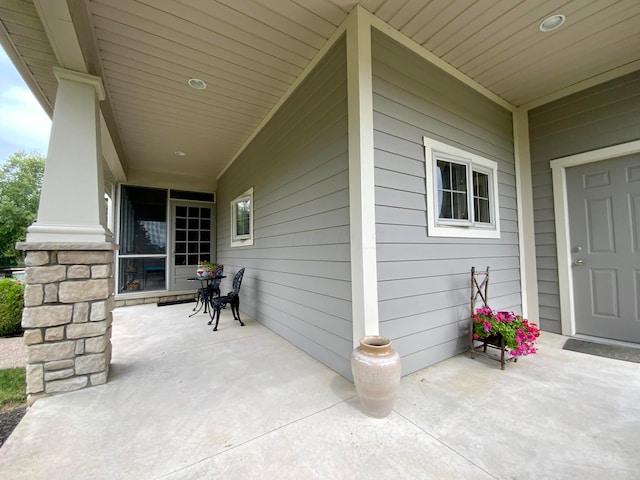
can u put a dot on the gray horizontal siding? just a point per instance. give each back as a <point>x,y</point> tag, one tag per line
<point>423,282</point>
<point>298,280</point>
<point>601,116</point>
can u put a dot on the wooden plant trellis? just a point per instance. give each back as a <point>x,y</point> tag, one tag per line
<point>480,292</point>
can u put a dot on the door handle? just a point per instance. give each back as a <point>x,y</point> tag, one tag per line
<point>579,262</point>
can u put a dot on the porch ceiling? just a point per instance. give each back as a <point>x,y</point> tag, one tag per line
<point>251,51</point>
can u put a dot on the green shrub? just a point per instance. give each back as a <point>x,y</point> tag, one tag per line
<point>11,305</point>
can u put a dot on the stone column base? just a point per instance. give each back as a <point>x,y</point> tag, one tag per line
<point>67,317</point>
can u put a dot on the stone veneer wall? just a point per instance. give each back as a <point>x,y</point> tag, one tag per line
<point>67,319</point>
<point>154,298</point>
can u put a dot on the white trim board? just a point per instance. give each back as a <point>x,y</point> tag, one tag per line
<point>561,211</point>
<point>435,150</point>
<point>367,19</point>
<point>526,227</point>
<point>364,276</point>
<point>583,85</point>
<point>305,73</point>
<point>406,42</point>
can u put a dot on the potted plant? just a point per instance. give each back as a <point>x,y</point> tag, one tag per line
<point>206,269</point>
<point>518,333</point>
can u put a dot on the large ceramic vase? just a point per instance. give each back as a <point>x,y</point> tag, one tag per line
<point>376,374</point>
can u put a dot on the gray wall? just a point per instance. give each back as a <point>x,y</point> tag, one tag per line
<point>297,280</point>
<point>599,117</point>
<point>424,282</point>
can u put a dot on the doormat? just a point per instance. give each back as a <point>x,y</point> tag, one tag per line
<point>618,352</point>
<point>176,302</point>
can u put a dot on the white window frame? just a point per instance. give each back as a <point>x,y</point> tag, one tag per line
<point>437,227</point>
<point>242,240</point>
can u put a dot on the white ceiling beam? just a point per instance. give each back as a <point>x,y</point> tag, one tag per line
<point>58,25</point>
<point>56,20</point>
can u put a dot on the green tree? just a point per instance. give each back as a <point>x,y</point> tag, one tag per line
<point>20,185</point>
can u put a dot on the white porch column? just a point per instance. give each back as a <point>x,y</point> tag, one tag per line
<point>69,251</point>
<point>72,199</point>
<point>364,276</point>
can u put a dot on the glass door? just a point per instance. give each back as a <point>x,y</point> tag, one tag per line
<point>193,229</point>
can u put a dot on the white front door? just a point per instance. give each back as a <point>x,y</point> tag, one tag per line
<point>604,224</point>
<point>193,241</point>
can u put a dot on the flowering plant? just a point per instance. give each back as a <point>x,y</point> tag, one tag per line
<point>519,335</point>
<point>207,269</point>
<point>206,263</point>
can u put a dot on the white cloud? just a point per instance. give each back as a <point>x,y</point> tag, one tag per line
<point>22,119</point>
<point>23,123</point>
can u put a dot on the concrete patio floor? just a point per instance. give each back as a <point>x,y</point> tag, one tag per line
<point>184,402</point>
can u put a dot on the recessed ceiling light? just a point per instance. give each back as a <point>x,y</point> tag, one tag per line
<point>178,153</point>
<point>551,23</point>
<point>197,83</point>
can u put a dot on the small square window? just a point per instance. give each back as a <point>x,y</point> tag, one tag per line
<point>242,219</point>
<point>462,192</point>
<point>453,191</point>
<point>481,200</point>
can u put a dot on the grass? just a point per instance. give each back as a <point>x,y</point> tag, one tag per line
<point>12,388</point>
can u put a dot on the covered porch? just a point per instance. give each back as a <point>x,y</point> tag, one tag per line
<point>304,142</point>
<point>184,402</point>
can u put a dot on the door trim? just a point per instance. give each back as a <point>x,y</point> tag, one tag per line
<point>561,213</point>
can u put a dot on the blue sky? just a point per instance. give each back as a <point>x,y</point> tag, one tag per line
<point>23,123</point>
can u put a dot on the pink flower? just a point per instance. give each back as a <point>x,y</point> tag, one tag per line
<point>519,334</point>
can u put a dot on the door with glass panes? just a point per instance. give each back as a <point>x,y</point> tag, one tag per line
<point>193,241</point>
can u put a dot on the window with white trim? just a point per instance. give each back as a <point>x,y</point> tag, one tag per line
<point>462,192</point>
<point>242,219</point>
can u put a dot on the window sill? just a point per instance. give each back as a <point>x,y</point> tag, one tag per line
<point>462,232</point>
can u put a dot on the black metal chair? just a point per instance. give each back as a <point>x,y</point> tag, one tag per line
<point>214,287</point>
<point>232,298</point>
